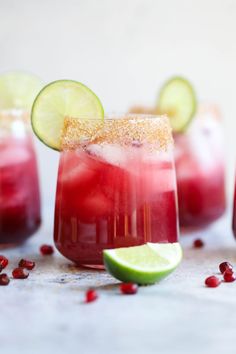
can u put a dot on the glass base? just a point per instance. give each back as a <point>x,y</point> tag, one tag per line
<point>5,246</point>
<point>94,266</point>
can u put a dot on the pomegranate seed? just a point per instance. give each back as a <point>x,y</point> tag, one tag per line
<point>4,279</point>
<point>225,266</point>
<point>212,281</point>
<point>24,263</point>
<point>229,276</point>
<point>3,262</point>
<point>198,243</point>
<point>128,288</point>
<point>46,250</point>
<point>91,295</point>
<point>20,273</point>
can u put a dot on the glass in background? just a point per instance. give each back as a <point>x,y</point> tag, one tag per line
<point>19,186</point>
<point>200,169</point>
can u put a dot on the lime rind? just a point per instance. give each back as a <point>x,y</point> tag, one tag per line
<point>177,99</point>
<point>60,99</point>
<point>18,90</point>
<point>148,264</point>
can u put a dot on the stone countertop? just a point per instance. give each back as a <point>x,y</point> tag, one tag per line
<point>46,313</point>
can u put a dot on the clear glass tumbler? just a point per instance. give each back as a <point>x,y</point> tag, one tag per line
<point>19,187</point>
<point>200,169</point>
<point>116,186</point>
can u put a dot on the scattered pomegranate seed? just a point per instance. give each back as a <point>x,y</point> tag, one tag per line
<point>212,281</point>
<point>225,266</point>
<point>3,262</point>
<point>46,250</point>
<point>128,288</point>
<point>4,279</point>
<point>198,243</point>
<point>229,276</point>
<point>24,263</point>
<point>20,273</point>
<point>91,295</point>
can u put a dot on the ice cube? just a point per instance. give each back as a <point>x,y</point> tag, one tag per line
<point>112,154</point>
<point>79,171</point>
<point>93,207</point>
<point>155,180</point>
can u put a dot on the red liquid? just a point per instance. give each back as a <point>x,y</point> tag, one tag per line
<point>19,190</point>
<point>201,198</point>
<point>234,212</point>
<point>101,205</point>
<point>200,175</point>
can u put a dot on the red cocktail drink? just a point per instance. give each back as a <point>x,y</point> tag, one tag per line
<point>116,188</point>
<point>200,172</point>
<point>19,188</point>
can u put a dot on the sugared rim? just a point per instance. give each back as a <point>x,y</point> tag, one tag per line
<point>121,129</point>
<point>209,108</point>
<point>14,113</point>
<point>138,116</point>
<point>124,116</point>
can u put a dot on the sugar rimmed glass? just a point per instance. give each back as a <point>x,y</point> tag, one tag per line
<point>116,186</point>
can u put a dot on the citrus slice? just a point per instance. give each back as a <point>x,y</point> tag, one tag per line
<point>60,99</point>
<point>18,90</point>
<point>177,99</point>
<point>144,264</point>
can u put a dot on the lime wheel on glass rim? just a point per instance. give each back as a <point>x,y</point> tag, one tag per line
<point>18,90</point>
<point>177,99</point>
<point>58,100</point>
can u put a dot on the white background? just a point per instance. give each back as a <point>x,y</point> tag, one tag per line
<point>123,50</point>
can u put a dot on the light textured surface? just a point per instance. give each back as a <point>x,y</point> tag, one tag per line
<point>46,314</point>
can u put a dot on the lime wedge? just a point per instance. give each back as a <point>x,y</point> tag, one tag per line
<point>18,90</point>
<point>145,264</point>
<point>177,99</point>
<point>56,101</point>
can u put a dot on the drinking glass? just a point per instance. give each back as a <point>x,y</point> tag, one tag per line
<point>200,169</point>
<point>116,186</point>
<point>19,186</point>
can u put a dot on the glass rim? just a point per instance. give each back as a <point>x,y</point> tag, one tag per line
<point>13,112</point>
<point>122,129</point>
<point>110,116</point>
<point>9,116</point>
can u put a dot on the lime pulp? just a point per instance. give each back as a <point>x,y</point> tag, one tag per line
<point>144,264</point>
<point>60,99</point>
<point>177,99</point>
<point>18,90</point>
